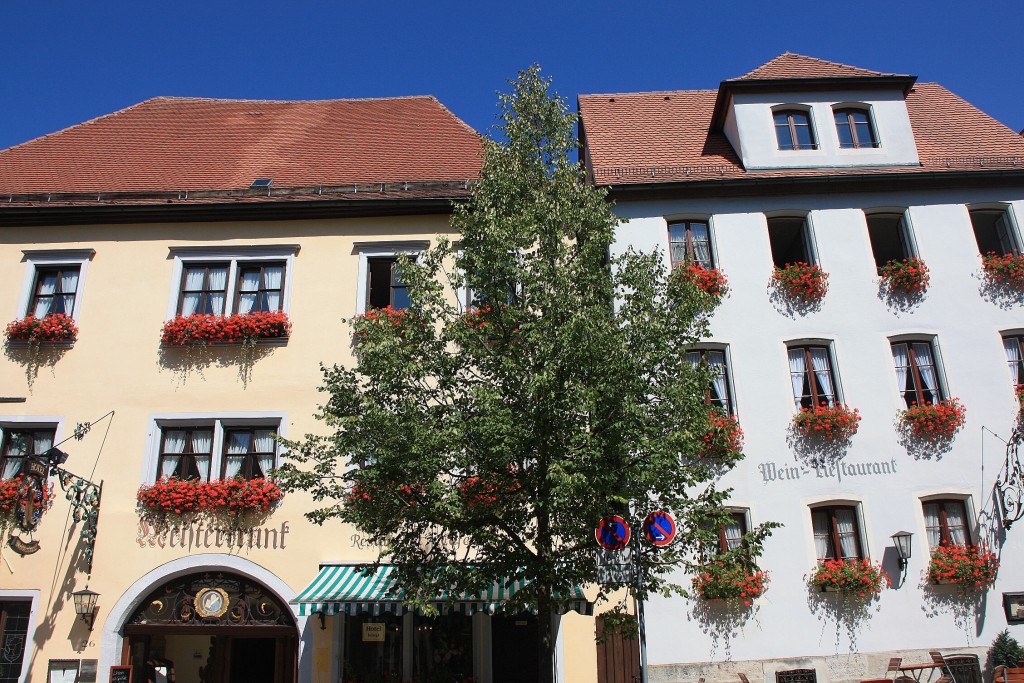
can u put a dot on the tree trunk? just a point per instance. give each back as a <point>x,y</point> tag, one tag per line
<point>545,635</point>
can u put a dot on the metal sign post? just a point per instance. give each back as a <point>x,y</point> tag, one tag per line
<point>641,627</point>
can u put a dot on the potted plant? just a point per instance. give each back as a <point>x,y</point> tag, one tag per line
<point>12,491</point>
<point>837,422</point>
<point>727,580</point>
<point>934,421</point>
<point>909,276</point>
<point>209,330</point>
<point>711,281</point>
<point>970,568</point>
<point>724,437</point>
<point>1004,271</point>
<point>57,328</point>
<point>854,577</point>
<point>801,281</point>
<point>227,503</point>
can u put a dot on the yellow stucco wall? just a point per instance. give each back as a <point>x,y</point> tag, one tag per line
<point>117,365</point>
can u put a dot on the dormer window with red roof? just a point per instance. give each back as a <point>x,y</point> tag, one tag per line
<point>855,129</point>
<point>793,129</point>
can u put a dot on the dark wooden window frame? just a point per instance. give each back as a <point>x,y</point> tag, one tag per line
<point>242,266</point>
<point>834,535</point>
<point>236,266</point>
<point>393,281</point>
<point>816,395</point>
<point>944,534</point>
<point>251,462</point>
<point>914,371</point>
<point>188,460</point>
<point>728,407</point>
<point>847,113</point>
<point>688,241</point>
<point>59,270</point>
<point>791,125</point>
<point>723,539</point>
<point>7,606</point>
<point>1017,374</point>
<point>30,432</point>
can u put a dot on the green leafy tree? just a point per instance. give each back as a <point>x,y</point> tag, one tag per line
<point>482,442</point>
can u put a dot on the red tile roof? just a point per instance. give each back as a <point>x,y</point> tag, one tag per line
<point>176,145</point>
<point>664,137</point>
<point>791,65</point>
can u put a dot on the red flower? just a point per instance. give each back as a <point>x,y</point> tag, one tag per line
<point>1006,270</point>
<point>909,275</point>
<point>850,576</point>
<point>834,423</point>
<point>204,330</point>
<point>483,494</point>
<point>931,422</point>
<point>724,437</point>
<point>801,281</point>
<point>720,580</point>
<point>53,328</point>
<point>711,281</point>
<point>229,496</point>
<point>969,567</point>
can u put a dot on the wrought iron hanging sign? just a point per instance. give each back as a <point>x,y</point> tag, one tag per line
<point>34,496</point>
<point>1010,483</point>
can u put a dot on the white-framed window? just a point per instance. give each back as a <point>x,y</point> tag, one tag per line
<point>209,446</point>
<point>947,520</point>
<point>812,374</point>
<point>995,229</point>
<point>22,437</point>
<point>838,531</point>
<point>53,282</point>
<point>890,235</point>
<point>791,241</point>
<point>918,371</point>
<point>794,127</point>
<point>226,281</point>
<point>379,282</point>
<point>855,126</point>
<point>690,241</point>
<point>720,392</point>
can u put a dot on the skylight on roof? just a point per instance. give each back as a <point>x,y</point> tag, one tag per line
<point>260,183</point>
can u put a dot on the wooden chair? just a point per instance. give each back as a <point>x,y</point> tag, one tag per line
<point>1013,674</point>
<point>894,667</point>
<point>743,678</point>
<point>944,675</point>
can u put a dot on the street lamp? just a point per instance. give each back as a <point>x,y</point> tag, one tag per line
<point>901,539</point>
<point>85,605</point>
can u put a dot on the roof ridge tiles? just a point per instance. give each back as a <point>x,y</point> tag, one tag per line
<point>649,92</point>
<point>790,59</point>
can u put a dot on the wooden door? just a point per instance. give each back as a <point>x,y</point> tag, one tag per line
<point>618,658</point>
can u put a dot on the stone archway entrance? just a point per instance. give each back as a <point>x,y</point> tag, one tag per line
<point>211,627</point>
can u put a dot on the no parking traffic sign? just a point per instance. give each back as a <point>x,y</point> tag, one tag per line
<point>660,528</point>
<point>612,533</point>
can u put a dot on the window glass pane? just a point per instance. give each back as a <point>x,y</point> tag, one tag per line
<point>843,129</point>
<point>782,131</point>
<point>865,137</point>
<point>803,136</point>
<point>701,244</point>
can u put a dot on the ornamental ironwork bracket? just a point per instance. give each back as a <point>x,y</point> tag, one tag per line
<point>85,507</point>
<point>1010,482</point>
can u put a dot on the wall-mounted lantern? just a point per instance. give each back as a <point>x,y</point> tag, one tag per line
<point>85,605</point>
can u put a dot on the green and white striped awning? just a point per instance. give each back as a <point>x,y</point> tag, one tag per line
<point>357,589</point>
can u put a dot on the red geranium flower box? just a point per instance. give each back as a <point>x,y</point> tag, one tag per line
<point>171,501</point>
<point>711,281</point>
<point>52,329</point>
<point>11,492</point>
<point>724,437</point>
<point>1005,270</point>
<point>931,422</point>
<point>801,281</point>
<point>966,566</point>
<point>208,330</point>
<point>833,423</point>
<point>733,581</point>
<point>909,275</point>
<point>858,577</point>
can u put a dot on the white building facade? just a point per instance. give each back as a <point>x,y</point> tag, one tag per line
<point>809,161</point>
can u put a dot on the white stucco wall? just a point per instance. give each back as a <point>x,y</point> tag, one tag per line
<point>751,130</point>
<point>967,334</point>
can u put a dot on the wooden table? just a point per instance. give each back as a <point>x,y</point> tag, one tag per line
<point>917,670</point>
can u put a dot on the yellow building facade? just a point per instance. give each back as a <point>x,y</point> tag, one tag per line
<point>131,221</point>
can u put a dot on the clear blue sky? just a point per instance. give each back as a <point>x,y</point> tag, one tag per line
<point>66,62</point>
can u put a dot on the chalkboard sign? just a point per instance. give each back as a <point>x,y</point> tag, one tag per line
<point>121,674</point>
